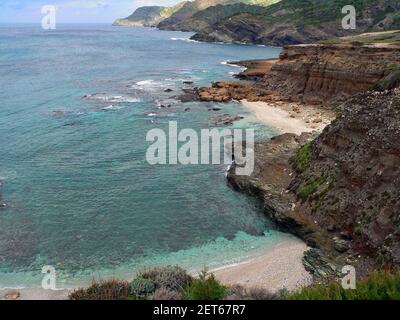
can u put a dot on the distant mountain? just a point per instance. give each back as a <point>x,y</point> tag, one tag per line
<point>149,16</point>
<point>172,18</point>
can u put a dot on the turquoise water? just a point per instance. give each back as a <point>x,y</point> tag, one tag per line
<point>79,192</point>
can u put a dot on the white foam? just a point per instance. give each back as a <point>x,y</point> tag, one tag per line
<point>184,39</point>
<point>227,63</point>
<point>145,82</point>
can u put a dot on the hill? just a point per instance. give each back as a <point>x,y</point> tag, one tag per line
<point>301,21</point>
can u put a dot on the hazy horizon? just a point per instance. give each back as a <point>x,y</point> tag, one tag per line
<point>73,11</point>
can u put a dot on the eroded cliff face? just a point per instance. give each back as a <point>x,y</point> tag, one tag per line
<point>320,74</point>
<point>313,74</point>
<point>350,183</point>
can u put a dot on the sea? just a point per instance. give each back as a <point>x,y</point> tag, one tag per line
<point>76,104</point>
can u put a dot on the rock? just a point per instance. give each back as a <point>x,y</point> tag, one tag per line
<point>168,90</point>
<point>189,95</point>
<point>2,205</point>
<point>319,265</point>
<point>187,109</point>
<point>224,120</point>
<point>12,295</point>
<point>340,245</point>
<point>187,82</point>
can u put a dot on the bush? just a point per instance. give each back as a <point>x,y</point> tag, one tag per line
<point>240,293</point>
<point>166,294</point>
<point>205,287</point>
<point>377,286</point>
<point>173,278</point>
<point>103,290</point>
<point>141,287</point>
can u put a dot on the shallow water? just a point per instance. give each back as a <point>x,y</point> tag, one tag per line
<point>79,191</point>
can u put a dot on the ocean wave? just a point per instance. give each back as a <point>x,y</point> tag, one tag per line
<point>227,63</point>
<point>151,114</point>
<point>184,39</point>
<point>112,107</point>
<point>145,82</point>
<point>111,98</point>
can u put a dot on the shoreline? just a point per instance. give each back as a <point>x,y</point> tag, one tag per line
<point>273,268</point>
<point>278,267</point>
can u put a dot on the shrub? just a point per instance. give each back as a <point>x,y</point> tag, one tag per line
<point>205,287</point>
<point>377,286</point>
<point>103,290</point>
<point>141,287</point>
<point>173,278</point>
<point>261,294</point>
<point>166,294</point>
<point>240,293</point>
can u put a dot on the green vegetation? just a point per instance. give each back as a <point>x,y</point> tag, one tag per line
<point>310,187</point>
<point>378,286</point>
<point>310,12</point>
<point>141,288</point>
<point>303,157</point>
<point>387,37</point>
<point>104,290</point>
<point>173,278</point>
<point>205,287</point>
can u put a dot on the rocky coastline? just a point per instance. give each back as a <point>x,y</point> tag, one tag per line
<point>310,183</point>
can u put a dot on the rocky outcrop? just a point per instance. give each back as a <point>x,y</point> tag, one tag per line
<point>313,74</point>
<point>338,191</point>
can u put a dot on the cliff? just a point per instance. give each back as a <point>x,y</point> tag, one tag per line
<point>313,74</point>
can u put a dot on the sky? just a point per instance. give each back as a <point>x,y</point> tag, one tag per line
<point>73,11</point>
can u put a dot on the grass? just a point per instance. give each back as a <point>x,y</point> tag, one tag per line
<point>378,286</point>
<point>386,37</point>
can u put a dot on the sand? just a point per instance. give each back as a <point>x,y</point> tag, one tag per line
<point>290,117</point>
<point>277,268</point>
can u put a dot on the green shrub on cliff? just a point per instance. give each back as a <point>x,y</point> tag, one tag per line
<point>302,159</point>
<point>205,287</point>
<point>173,278</point>
<point>141,288</point>
<point>103,290</point>
<point>377,286</point>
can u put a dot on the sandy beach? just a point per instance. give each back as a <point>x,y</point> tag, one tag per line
<point>290,117</point>
<point>277,268</point>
